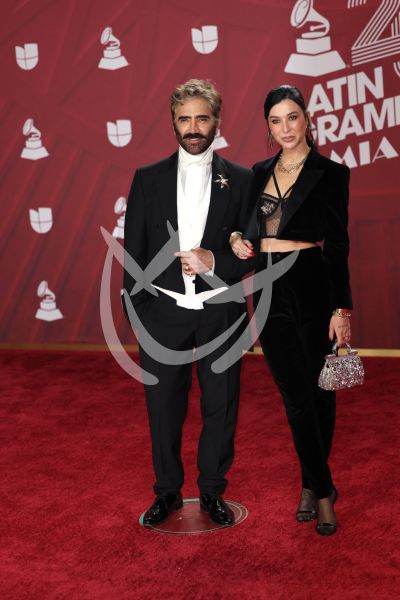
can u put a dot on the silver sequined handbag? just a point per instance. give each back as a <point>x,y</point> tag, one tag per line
<point>341,372</point>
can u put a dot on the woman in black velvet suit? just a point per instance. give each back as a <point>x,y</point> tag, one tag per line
<point>299,199</point>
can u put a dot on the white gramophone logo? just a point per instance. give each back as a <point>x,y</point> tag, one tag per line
<point>27,56</point>
<point>48,310</point>
<point>120,209</point>
<point>33,145</point>
<point>120,132</point>
<point>41,219</point>
<point>205,40</point>
<point>219,141</point>
<point>314,55</point>
<point>112,58</point>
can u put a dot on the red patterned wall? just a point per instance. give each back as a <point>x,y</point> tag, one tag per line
<point>351,73</point>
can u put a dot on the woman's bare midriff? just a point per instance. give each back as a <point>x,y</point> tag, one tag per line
<point>274,245</point>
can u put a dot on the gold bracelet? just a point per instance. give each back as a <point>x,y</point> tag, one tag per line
<point>340,313</point>
<point>239,233</point>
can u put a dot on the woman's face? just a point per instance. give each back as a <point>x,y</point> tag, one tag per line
<point>287,123</point>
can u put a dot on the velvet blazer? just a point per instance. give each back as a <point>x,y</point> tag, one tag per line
<point>315,211</point>
<point>153,201</point>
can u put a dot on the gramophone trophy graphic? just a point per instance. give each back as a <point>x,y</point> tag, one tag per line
<point>219,141</point>
<point>112,57</point>
<point>48,310</point>
<point>314,55</point>
<point>119,209</point>
<point>33,145</point>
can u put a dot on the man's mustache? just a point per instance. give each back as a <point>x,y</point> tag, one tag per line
<point>194,136</point>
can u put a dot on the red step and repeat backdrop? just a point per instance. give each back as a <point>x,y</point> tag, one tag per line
<point>85,101</point>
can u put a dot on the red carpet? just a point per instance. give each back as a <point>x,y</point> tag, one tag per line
<point>76,475</point>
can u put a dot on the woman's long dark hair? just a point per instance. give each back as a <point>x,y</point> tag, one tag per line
<point>287,92</point>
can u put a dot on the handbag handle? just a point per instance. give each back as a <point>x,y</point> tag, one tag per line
<point>349,349</point>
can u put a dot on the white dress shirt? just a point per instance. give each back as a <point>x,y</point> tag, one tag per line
<point>193,201</point>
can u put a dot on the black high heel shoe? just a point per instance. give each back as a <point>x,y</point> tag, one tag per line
<point>324,528</point>
<point>307,508</point>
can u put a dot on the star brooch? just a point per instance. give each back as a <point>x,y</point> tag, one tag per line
<point>222,180</point>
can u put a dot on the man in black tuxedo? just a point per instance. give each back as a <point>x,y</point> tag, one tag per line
<point>205,197</point>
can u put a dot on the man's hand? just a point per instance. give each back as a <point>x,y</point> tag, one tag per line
<point>196,261</point>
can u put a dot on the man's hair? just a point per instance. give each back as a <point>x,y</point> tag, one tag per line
<point>197,88</point>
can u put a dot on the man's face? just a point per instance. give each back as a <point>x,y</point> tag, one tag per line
<point>195,126</point>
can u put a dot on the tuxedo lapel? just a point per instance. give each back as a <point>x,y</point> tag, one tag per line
<point>219,200</point>
<point>167,190</point>
<point>310,174</point>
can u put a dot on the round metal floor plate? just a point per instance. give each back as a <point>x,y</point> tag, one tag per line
<point>191,519</point>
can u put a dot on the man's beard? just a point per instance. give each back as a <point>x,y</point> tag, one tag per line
<point>198,148</point>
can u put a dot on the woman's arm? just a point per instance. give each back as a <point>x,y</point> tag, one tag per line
<point>242,248</point>
<point>339,326</point>
<point>336,239</point>
<point>335,253</point>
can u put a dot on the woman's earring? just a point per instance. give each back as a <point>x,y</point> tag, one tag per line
<point>270,139</point>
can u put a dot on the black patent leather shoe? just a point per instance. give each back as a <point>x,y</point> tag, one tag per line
<point>162,506</point>
<point>217,508</point>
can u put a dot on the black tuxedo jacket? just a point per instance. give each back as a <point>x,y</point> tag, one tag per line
<point>316,211</point>
<point>153,201</point>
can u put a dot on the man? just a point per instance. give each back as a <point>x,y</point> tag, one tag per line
<point>204,197</point>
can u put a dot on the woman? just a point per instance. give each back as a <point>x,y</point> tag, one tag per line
<point>299,200</point>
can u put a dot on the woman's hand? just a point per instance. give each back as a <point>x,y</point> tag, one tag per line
<point>242,248</point>
<point>340,327</point>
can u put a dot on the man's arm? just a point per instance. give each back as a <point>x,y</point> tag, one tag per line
<point>222,261</point>
<point>227,264</point>
<point>135,240</point>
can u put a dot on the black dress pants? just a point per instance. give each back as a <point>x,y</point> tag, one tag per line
<point>294,341</point>
<point>183,329</point>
